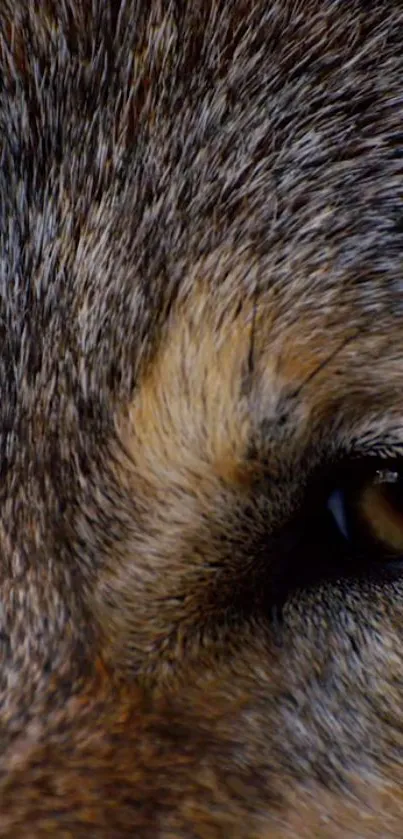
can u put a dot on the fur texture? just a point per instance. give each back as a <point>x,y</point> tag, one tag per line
<point>201,311</point>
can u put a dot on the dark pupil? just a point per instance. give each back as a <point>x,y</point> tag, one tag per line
<point>394,494</point>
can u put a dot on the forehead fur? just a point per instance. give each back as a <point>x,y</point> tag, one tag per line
<point>171,132</point>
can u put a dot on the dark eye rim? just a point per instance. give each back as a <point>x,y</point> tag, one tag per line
<point>334,560</point>
<point>314,553</point>
<point>349,477</point>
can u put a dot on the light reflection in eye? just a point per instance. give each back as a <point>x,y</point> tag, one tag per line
<point>336,505</point>
<point>386,476</point>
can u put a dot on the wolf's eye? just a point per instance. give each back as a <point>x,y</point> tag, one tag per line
<point>370,511</point>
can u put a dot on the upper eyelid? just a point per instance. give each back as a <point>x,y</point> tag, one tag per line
<point>369,447</point>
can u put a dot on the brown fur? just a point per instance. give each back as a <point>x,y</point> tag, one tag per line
<point>201,311</point>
